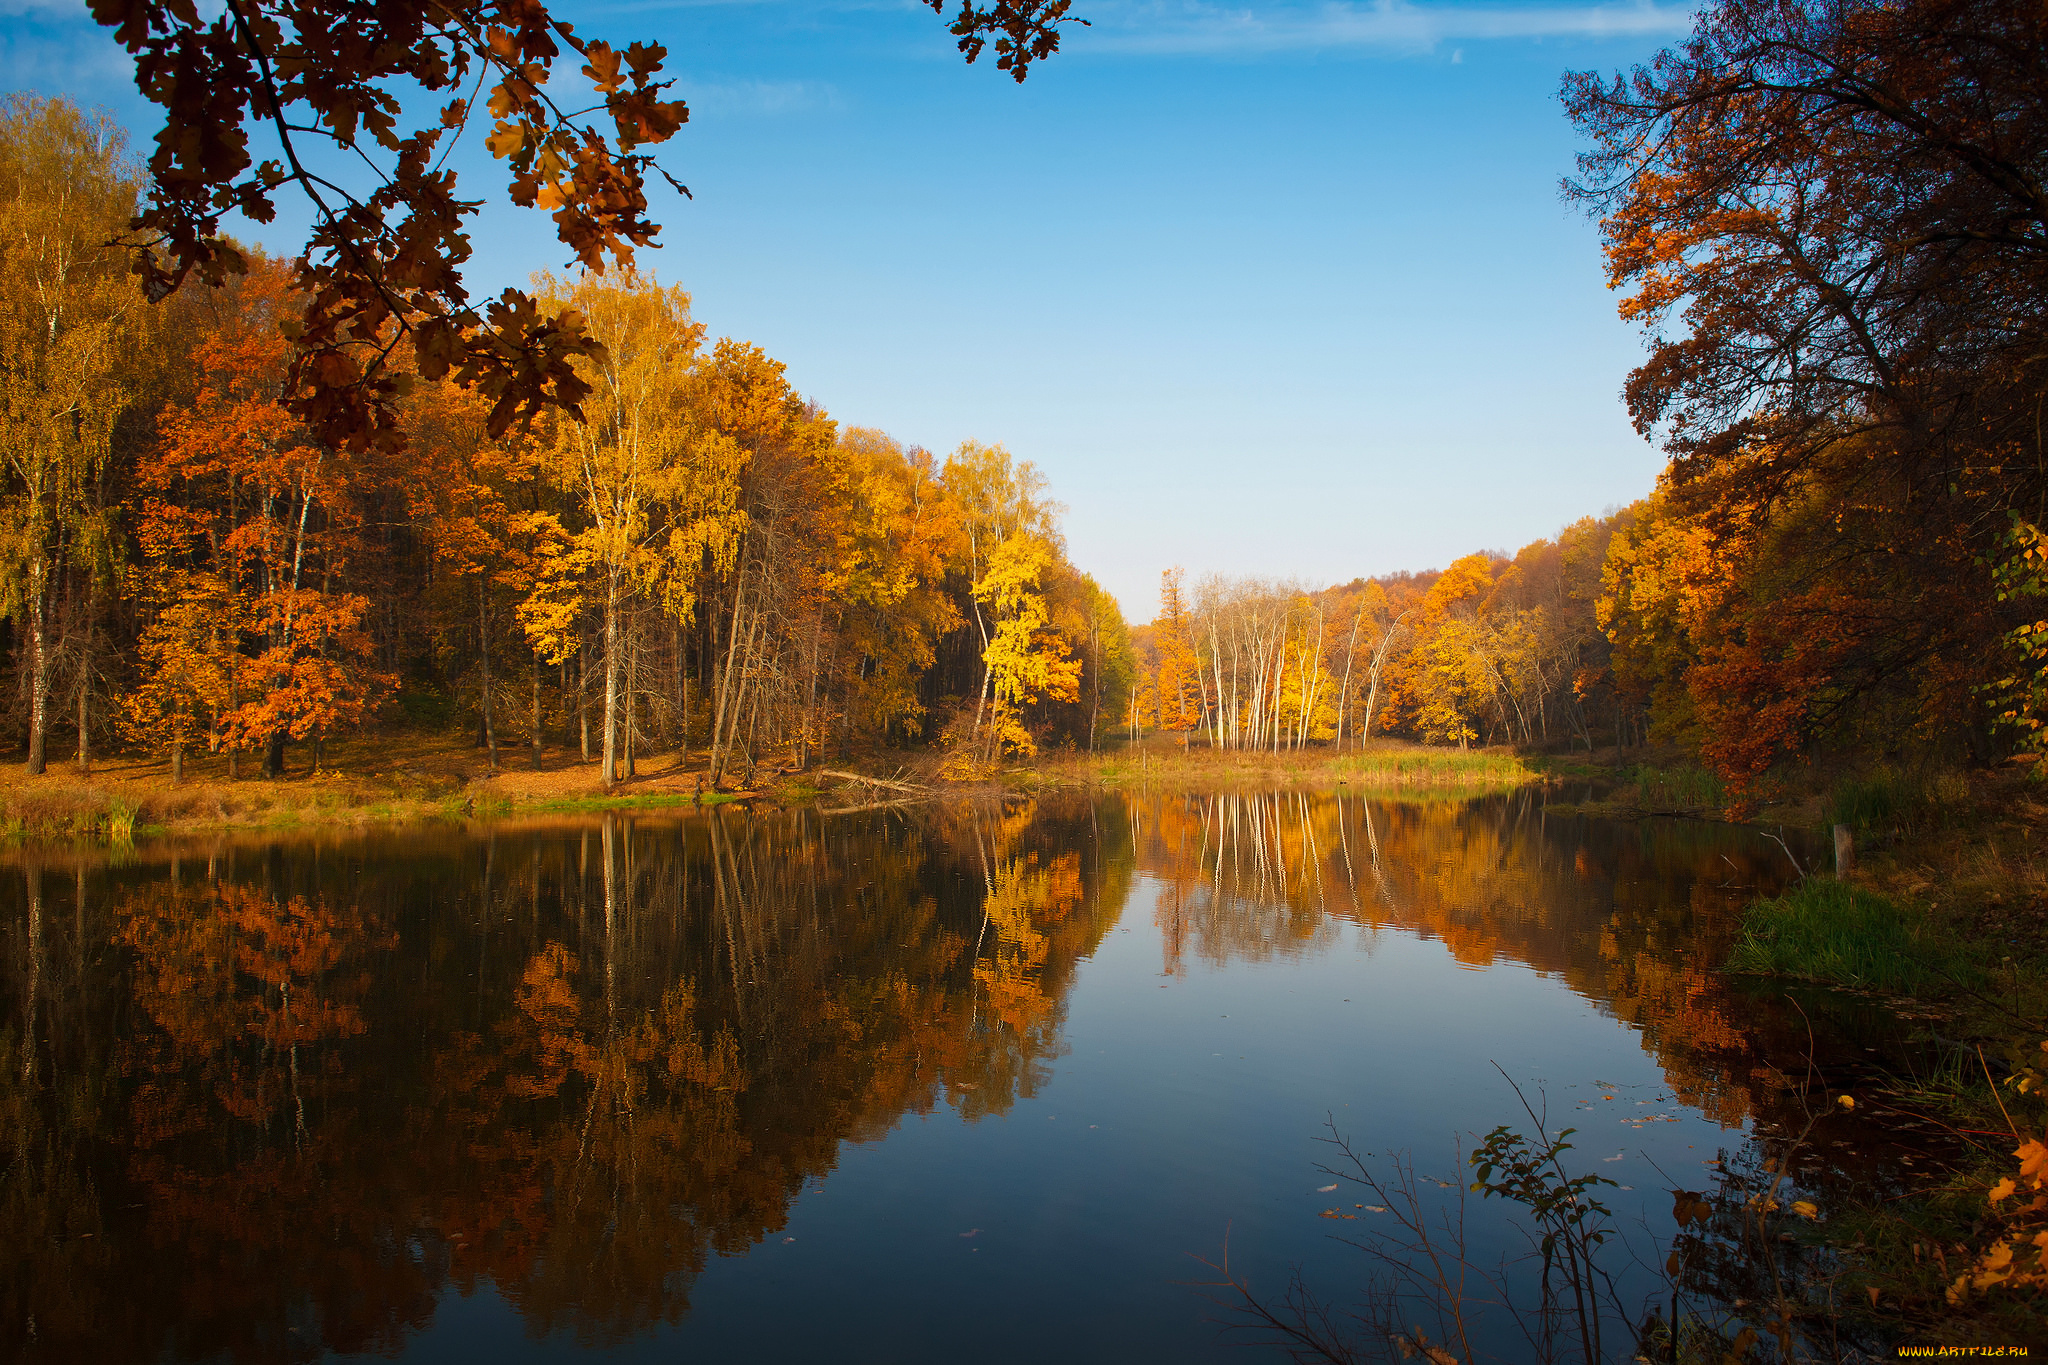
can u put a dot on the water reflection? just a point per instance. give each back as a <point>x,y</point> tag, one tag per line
<point>1633,915</point>
<point>264,1101</point>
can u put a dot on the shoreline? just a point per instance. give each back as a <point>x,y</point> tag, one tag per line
<point>418,779</point>
<point>410,779</point>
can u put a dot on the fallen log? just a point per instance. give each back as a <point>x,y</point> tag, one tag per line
<point>872,781</point>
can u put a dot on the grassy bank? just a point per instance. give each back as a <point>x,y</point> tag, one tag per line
<point>388,779</point>
<point>1944,916</point>
<point>1383,766</point>
<point>1832,931</point>
<point>412,776</point>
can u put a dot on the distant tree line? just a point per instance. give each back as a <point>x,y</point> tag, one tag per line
<point>1491,650</point>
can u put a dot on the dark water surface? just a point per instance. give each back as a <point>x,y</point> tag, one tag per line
<point>912,1084</point>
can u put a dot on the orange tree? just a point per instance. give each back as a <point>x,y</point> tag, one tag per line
<point>241,507</point>
<point>1840,208</point>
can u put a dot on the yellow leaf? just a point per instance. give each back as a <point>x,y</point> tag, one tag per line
<point>2033,1162</point>
<point>506,140</point>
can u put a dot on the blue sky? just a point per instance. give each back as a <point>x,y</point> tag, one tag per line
<point>1281,289</point>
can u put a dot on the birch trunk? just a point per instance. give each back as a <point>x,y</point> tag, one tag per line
<point>611,680</point>
<point>1344,697</point>
<point>39,672</point>
<point>85,710</point>
<point>483,638</point>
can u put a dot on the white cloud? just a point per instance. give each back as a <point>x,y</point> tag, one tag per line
<point>756,99</point>
<point>1189,26</point>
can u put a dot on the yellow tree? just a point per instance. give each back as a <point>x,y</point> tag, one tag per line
<point>1112,664</point>
<point>634,460</point>
<point>67,305</point>
<point>1660,585</point>
<point>188,664</point>
<point>486,546</point>
<point>998,498</point>
<point>900,537</point>
<point>1027,660</point>
<point>1179,689</point>
<point>774,553</point>
<point>1447,677</point>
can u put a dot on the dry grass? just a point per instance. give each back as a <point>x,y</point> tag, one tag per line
<point>1384,765</point>
<point>1978,862</point>
<point>362,780</point>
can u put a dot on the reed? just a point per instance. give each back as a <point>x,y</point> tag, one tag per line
<point>1826,930</point>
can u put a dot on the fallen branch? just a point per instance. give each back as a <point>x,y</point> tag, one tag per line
<point>873,781</point>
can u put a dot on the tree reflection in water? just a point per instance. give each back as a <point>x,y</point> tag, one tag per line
<point>264,1101</point>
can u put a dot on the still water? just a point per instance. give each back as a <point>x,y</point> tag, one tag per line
<point>895,1085</point>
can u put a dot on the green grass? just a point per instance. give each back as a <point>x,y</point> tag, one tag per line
<point>1567,768</point>
<point>1686,787</point>
<point>1825,930</point>
<point>1409,769</point>
<point>1884,800</point>
<point>1450,767</point>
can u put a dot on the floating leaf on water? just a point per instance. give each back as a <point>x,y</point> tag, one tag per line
<point>1325,1189</point>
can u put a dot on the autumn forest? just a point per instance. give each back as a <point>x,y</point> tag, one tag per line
<point>1839,564</point>
<point>705,557</point>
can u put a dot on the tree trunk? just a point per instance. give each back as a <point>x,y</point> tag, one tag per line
<point>675,636</point>
<point>273,756</point>
<point>583,698</point>
<point>39,674</point>
<point>483,640</point>
<point>727,703</point>
<point>177,764</point>
<point>85,712</point>
<point>1095,646</point>
<point>611,681</point>
<point>632,704</point>
<point>1372,697</point>
<point>536,711</point>
<point>1344,697</point>
<point>803,752</point>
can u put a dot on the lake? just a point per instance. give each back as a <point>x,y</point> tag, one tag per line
<point>902,1084</point>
